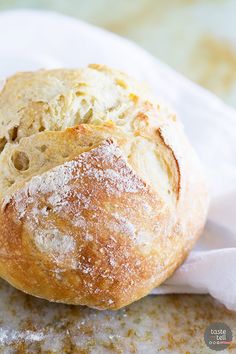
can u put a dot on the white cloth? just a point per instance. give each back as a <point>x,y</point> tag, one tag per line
<point>34,39</point>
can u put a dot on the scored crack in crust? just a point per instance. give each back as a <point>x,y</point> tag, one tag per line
<point>102,196</point>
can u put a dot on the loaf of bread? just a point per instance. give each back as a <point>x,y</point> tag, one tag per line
<point>102,196</point>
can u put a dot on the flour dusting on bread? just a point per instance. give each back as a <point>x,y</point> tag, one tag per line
<point>51,240</point>
<point>101,196</point>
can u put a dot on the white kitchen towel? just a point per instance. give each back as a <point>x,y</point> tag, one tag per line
<point>36,39</point>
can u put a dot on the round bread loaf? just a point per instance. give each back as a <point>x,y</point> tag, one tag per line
<point>102,197</point>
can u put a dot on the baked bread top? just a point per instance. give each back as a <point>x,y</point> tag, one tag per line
<point>101,194</point>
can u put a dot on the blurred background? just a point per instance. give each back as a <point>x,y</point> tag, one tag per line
<point>195,37</point>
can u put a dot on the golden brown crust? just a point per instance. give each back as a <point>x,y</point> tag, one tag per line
<point>102,213</point>
<point>109,222</point>
<point>100,221</point>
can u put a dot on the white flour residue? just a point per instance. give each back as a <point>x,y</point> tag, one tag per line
<point>120,178</point>
<point>52,181</point>
<point>68,189</point>
<point>112,262</point>
<point>79,221</point>
<point>88,237</point>
<point>53,241</point>
<point>122,225</point>
<point>115,182</point>
<point>8,336</point>
<point>85,268</point>
<point>145,240</point>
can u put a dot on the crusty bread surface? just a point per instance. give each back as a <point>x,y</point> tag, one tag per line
<point>102,196</point>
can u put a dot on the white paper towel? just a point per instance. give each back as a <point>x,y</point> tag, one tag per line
<point>34,39</point>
